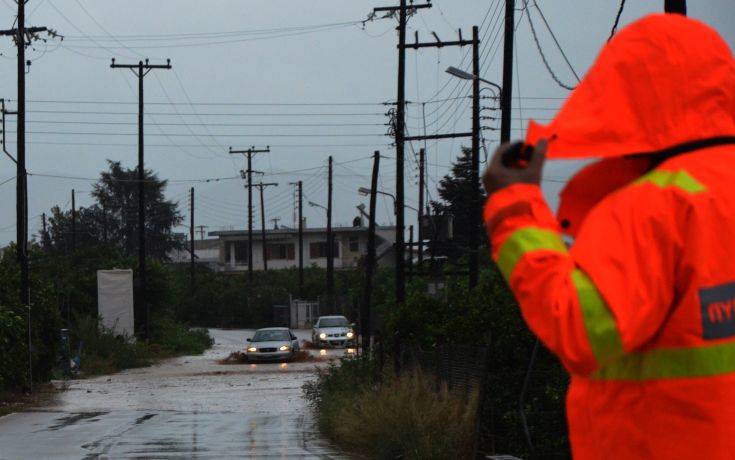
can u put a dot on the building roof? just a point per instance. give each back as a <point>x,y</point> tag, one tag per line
<point>295,231</point>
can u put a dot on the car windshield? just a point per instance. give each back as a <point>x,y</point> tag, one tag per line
<point>333,322</point>
<point>271,336</point>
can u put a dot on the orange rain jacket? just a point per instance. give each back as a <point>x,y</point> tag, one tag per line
<point>641,309</point>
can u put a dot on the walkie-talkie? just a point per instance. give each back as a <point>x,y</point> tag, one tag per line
<point>517,155</point>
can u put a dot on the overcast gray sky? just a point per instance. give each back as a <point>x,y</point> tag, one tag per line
<point>239,64</point>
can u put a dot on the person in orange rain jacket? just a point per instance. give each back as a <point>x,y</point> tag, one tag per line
<point>641,309</point>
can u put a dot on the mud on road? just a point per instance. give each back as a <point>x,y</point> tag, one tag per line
<point>188,407</point>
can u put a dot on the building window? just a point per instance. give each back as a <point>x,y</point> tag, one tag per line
<point>354,244</point>
<point>280,252</point>
<point>319,250</point>
<point>241,251</point>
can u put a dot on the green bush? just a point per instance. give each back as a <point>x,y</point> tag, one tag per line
<point>103,352</point>
<point>175,337</point>
<point>404,417</point>
<point>13,351</point>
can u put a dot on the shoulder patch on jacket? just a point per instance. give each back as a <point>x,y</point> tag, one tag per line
<point>679,178</point>
<point>718,311</point>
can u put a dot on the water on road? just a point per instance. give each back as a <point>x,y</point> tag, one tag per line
<point>188,407</point>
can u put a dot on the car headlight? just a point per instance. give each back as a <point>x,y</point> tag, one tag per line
<point>252,349</point>
<point>285,348</point>
<point>322,336</point>
<point>350,334</point>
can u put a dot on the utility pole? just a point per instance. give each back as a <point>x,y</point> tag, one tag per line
<point>422,172</point>
<point>201,230</point>
<point>475,168</point>
<point>249,154</point>
<point>330,240</point>
<point>140,70</point>
<point>44,236</point>
<point>73,222</point>
<point>275,221</point>
<point>410,251</point>
<point>23,36</point>
<point>300,209</point>
<point>676,6</point>
<point>402,10</point>
<point>191,239</point>
<point>365,324</point>
<point>507,93</point>
<point>300,194</point>
<point>262,186</point>
<point>474,135</point>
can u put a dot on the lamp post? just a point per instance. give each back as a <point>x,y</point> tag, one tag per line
<point>459,73</point>
<point>364,191</point>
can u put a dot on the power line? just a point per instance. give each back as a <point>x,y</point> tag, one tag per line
<point>90,133</point>
<point>541,51</point>
<point>617,20</point>
<point>220,104</point>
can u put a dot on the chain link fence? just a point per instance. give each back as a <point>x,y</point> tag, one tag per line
<point>520,410</point>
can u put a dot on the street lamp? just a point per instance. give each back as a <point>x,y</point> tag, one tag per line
<point>459,73</point>
<point>366,191</point>
<point>317,205</point>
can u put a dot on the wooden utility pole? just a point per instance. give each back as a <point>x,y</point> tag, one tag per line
<point>300,209</point>
<point>330,240</point>
<point>365,323</point>
<point>191,240</point>
<point>474,216</point>
<point>249,154</point>
<point>410,251</point>
<point>140,70</point>
<point>23,36</point>
<point>301,239</point>
<point>262,186</point>
<point>422,172</point>
<point>507,92</point>
<point>402,9</point>
<point>201,230</point>
<point>73,222</point>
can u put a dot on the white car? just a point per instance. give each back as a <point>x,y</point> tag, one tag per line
<point>333,331</point>
<point>272,344</point>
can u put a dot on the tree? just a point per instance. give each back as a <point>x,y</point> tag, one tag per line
<point>112,222</point>
<point>455,191</point>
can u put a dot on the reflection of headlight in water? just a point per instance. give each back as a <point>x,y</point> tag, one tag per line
<point>323,352</point>
<point>351,351</point>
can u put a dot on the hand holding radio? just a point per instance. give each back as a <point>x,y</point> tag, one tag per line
<point>515,163</point>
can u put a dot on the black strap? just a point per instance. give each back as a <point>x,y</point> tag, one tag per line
<point>691,146</point>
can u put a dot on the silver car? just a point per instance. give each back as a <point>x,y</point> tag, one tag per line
<point>272,344</point>
<point>333,331</point>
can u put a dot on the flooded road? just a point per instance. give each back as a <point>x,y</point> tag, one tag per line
<point>189,407</point>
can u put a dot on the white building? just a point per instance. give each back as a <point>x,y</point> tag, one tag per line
<point>282,247</point>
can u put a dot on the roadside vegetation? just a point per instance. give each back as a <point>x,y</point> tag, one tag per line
<point>402,417</point>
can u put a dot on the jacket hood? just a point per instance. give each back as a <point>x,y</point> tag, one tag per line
<point>663,81</point>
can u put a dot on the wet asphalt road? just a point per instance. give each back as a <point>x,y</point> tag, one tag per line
<point>189,407</point>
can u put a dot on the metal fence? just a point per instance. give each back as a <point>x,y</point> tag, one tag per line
<point>529,425</point>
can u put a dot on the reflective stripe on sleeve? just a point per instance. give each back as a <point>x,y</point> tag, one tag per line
<point>526,240</point>
<point>679,179</point>
<point>668,363</point>
<point>602,332</point>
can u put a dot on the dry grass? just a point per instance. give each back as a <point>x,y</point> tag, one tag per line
<point>406,418</point>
